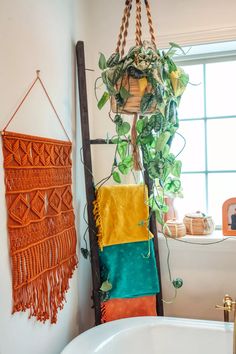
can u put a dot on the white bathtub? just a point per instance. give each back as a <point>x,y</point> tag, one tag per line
<point>155,335</point>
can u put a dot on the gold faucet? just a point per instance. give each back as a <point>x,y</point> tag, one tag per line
<point>228,306</point>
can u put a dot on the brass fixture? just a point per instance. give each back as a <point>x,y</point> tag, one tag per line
<point>228,306</point>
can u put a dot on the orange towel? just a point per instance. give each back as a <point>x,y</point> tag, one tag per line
<point>121,214</point>
<point>116,309</point>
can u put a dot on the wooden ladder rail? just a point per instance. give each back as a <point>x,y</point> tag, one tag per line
<point>90,189</point>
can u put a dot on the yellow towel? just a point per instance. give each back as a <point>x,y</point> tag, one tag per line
<point>121,214</point>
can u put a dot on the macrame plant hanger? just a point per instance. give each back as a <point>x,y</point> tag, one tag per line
<point>87,159</point>
<point>37,79</point>
<point>120,48</point>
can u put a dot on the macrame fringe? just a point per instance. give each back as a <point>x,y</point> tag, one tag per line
<point>103,313</point>
<point>48,266</point>
<point>98,220</point>
<point>44,296</point>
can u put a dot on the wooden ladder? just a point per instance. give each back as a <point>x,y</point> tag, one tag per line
<point>90,189</point>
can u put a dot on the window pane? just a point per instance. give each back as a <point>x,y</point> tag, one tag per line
<point>194,194</point>
<point>220,89</point>
<point>221,144</point>
<point>192,102</point>
<point>193,155</point>
<point>221,186</point>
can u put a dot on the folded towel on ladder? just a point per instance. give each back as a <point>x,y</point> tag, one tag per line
<point>121,214</point>
<point>130,268</point>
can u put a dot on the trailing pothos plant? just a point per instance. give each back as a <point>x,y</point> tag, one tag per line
<point>162,83</point>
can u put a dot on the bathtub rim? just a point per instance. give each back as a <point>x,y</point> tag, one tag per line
<point>106,331</point>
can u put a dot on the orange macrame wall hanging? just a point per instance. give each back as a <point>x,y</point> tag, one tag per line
<point>41,224</point>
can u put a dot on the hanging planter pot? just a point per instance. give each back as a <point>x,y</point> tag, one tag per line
<point>133,82</point>
<point>131,103</point>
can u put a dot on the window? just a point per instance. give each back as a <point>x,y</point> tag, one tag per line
<point>207,116</point>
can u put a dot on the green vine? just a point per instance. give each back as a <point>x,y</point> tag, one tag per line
<point>162,84</point>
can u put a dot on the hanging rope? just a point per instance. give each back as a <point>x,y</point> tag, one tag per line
<point>138,33</point>
<point>151,28</point>
<point>24,98</point>
<point>128,5</point>
<point>122,37</point>
<point>125,34</point>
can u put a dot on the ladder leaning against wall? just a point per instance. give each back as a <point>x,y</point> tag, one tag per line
<point>90,190</point>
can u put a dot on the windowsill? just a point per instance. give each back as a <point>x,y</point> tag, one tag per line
<point>216,241</point>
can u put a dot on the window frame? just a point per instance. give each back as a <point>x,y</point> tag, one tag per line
<point>203,59</point>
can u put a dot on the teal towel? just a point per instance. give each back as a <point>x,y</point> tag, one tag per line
<point>129,269</point>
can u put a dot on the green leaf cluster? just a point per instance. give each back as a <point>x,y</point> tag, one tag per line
<point>163,83</point>
<point>165,79</point>
<point>123,161</point>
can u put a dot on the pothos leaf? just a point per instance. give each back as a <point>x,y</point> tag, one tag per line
<point>172,112</point>
<point>159,94</point>
<point>106,286</point>
<point>176,169</point>
<point>142,85</point>
<point>126,164</point>
<point>164,208</point>
<point>115,140</point>
<point>123,168</point>
<point>108,83</point>
<point>122,149</point>
<point>179,80</point>
<point>113,60</point>
<point>123,128</point>
<point>85,252</point>
<point>146,102</point>
<point>153,203</point>
<point>162,140</point>
<point>117,73</point>
<point>102,62</point>
<point>153,169</point>
<point>166,151</point>
<point>171,65</point>
<point>128,161</point>
<point>132,50</point>
<point>124,93</point>
<point>184,79</point>
<point>118,119</point>
<point>177,283</point>
<point>140,125</point>
<point>103,100</point>
<point>159,217</point>
<point>173,185</point>
<point>116,177</point>
<point>174,45</point>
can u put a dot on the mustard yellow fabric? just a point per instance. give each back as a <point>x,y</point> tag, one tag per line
<point>121,214</point>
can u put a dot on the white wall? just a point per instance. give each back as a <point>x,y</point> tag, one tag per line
<point>41,35</point>
<point>208,272</point>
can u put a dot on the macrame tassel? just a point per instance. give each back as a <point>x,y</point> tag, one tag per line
<point>43,286</point>
<point>46,294</point>
<point>98,220</point>
<point>136,155</point>
<point>103,313</point>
